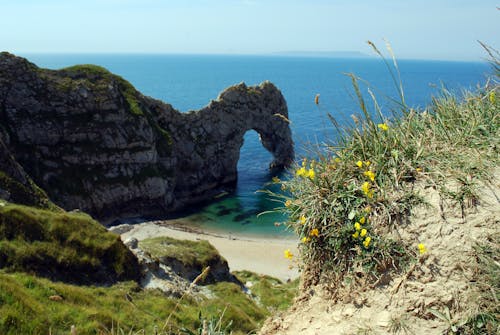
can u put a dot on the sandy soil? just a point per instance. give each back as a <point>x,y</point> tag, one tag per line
<point>443,278</point>
<point>263,256</point>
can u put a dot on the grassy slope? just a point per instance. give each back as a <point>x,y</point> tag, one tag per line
<point>62,246</point>
<point>72,247</point>
<point>25,307</point>
<point>189,253</point>
<point>365,186</point>
<point>270,292</point>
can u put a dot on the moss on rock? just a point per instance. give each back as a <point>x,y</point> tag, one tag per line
<point>189,258</point>
<point>63,246</point>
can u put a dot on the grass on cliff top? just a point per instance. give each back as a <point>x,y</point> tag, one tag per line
<point>60,245</point>
<point>189,253</point>
<point>344,203</point>
<point>99,78</point>
<point>28,306</point>
<point>270,292</point>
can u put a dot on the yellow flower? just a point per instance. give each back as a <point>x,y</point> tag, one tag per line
<point>366,189</point>
<point>306,239</point>
<point>367,241</point>
<point>422,249</point>
<point>356,234</point>
<point>302,219</point>
<point>275,180</point>
<point>370,175</point>
<point>357,226</point>
<point>311,174</point>
<point>288,254</point>
<point>362,220</point>
<point>363,233</point>
<point>314,232</point>
<point>367,163</point>
<point>337,160</point>
<point>359,164</point>
<point>418,169</point>
<point>288,203</point>
<point>383,126</point>
<point>301,172</point>
<point>492,97</point>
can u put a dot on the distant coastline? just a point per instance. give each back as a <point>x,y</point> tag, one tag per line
<point>323,54</point>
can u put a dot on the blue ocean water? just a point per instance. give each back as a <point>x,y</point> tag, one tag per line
<point>190,81</point>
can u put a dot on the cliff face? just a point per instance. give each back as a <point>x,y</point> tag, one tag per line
<point>93,142</point>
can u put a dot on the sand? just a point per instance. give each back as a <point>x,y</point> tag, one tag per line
<point>260,255</point>
<point>442,279</point>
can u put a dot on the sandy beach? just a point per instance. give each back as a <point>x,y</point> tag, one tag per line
<point>260,255</point>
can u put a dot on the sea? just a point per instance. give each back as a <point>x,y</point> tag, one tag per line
<point>189,82</point>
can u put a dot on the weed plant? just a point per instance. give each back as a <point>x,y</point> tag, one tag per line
<point>344,204</point>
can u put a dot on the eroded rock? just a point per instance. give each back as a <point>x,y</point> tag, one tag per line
<point>93,142</point>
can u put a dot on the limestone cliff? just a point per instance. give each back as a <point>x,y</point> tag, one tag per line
<point>93,142</point>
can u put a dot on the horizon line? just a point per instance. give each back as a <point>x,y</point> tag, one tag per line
<point>283,54</point>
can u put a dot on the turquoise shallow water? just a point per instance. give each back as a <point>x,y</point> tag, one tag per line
<point>190,82</point>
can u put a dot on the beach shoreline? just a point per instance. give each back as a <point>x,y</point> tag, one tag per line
<point>262,255</point>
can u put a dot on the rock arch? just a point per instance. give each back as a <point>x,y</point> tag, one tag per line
<point>209,147</point>
<point>93,142</point>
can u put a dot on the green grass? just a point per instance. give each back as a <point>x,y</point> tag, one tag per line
<point>99,78</point>
<point>25,308</point>
<point>71,247</point>
<point>189,258</point>
<point>484,318</point>
<point>270,292</point>
<point>344,203</point>
<point>63,246</point>
<point>189,253</point>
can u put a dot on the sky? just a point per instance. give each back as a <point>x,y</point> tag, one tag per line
<point>423,29</point>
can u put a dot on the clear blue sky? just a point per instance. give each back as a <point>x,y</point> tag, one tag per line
<point>432,29</point>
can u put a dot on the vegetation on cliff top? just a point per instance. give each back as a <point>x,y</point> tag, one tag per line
<point>32,305</point>
<point>71,247</point>
<point>345,203</point>
<point>99,78</point>
<point>62,246</point>
<point>189,253</point>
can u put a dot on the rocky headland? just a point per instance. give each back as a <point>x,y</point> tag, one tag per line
<point>92,142</point>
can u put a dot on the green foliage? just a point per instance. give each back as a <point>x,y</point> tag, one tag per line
<point>244,313</point>
<point>26,307</point>
<point>63,246</point>
<point>270,292</point>
<point>484,319</point>
<point>98,78</point>
<point>344,203</point>
<point>189,253</point>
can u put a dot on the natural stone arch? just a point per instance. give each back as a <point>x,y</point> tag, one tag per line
<point>210,152</point>
<point>93,142</point>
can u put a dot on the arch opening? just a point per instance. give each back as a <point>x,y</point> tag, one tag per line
<point>253,164</point>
